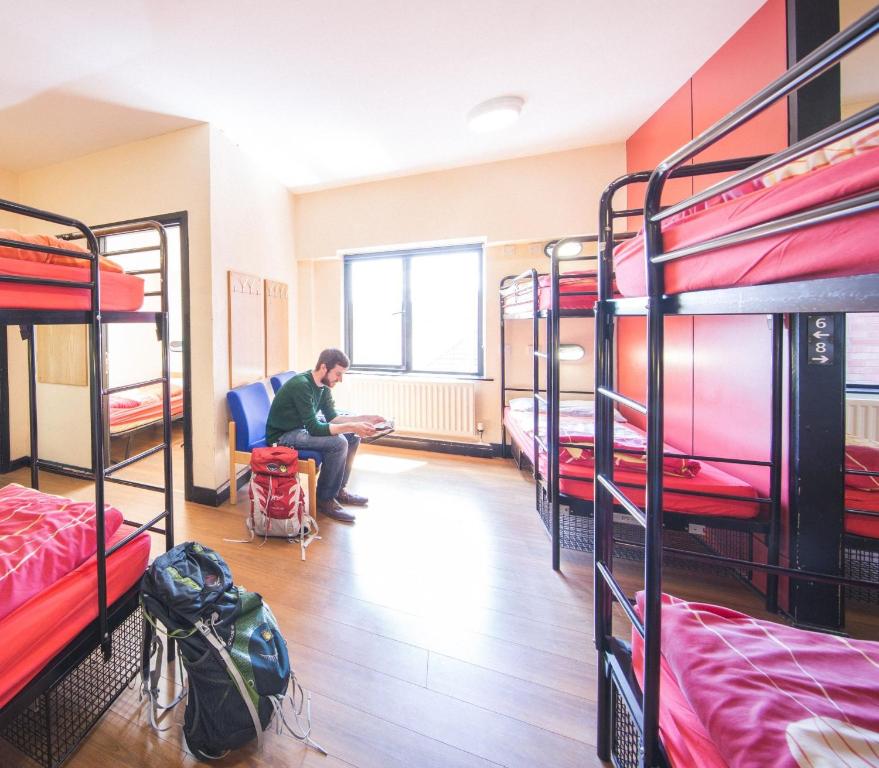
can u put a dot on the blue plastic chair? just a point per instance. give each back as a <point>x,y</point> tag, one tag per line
<point>249,407</point>
<point>280,379</point>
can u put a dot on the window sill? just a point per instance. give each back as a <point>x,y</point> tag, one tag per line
<point>416,376</point>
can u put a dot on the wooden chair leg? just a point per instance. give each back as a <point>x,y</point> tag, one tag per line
<point>310,469</point>
<point>233,479</point>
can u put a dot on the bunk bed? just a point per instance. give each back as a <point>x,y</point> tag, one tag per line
<point>71,570</point>
<point>703,685</point>
<point>141,408</point>
<point>560,434</point>
<point>547,298</point>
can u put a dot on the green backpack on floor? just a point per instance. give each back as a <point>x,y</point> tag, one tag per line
<point>235,657</point>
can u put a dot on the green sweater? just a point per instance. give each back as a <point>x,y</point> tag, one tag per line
<point>296,406</point>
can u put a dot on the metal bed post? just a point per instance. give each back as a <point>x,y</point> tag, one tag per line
<point>29,332</point>
<point>775,459</point>
<point>96,390</point>
<point>503,324</point>
<point>553,391</point>
<point>602,506</point>
<point>535,387</point>
<point>655,449</point>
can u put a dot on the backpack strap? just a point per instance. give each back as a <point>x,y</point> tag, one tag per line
<point>219,646</point>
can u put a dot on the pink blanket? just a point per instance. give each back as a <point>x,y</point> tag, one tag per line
<point>43,538</point>
<point>771,695</point>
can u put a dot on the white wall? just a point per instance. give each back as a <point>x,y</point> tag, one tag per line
<point>530,199</point>
<point>252,232</point>
<point>160,175</point>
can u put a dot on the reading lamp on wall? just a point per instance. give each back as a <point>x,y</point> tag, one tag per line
<point>568,352</point>
<point>568,250</point>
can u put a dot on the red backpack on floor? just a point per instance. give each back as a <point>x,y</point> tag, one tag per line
<point>277,501</point>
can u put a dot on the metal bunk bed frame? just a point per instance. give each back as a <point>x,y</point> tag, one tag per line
<point>548,498</point>
<point>628,719</point>
<point>52,714</point>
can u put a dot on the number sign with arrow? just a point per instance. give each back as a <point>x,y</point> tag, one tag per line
<point>820,347</point>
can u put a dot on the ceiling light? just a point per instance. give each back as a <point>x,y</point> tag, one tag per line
<point>568,250</point>
<point>494,114</point>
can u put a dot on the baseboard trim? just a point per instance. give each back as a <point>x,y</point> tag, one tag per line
<point>477,450</point>
<point>214,497</point>
<point>19,463</point>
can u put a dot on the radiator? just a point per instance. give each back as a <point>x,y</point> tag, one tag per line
<point>862,417</point>
<point>419,407</point>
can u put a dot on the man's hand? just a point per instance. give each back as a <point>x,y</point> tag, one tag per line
<point>373,419</point>
<point>363,429</point>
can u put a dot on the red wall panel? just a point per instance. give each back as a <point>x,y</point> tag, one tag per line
<point>744,65</point>
<point>733,387</point>
<point>632,378</point>
<point>666,130</point>
<point>726,358</point>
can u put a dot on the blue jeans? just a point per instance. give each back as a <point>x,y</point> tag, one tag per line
<point>338,453</point>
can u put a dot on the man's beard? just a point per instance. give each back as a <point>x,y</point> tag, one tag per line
<point>325,381</point>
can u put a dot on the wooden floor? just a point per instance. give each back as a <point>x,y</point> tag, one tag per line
<point>432,633</point>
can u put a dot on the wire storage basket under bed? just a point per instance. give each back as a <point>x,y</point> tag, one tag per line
<point>58,719</point>
<point>861,561</point>
<point>577,532</point>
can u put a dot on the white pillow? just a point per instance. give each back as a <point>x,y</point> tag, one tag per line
<point>585,408</point>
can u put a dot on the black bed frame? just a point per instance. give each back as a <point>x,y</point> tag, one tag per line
<point>575,529</point>
<point>628,714</point>
<point>55,711</point>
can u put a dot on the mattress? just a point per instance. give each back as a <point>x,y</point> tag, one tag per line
<point>43,538</point>
<point>862,525</point>
<point>577,480</point>
<point>809,253</point>
<point>577,290</point>
<point>138,407</point>
<point>768,694</point>
<point>40,628</point>
<point>685,739</point>
<point>119,291</point>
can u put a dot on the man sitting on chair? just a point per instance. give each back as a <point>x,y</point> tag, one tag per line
<point>303,416</point>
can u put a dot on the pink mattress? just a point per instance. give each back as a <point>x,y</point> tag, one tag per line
<point>577,480</point>
<point>518,299</point>
<point>39,629</point>
<point>685,739</point>
<point>42,538</point>
<point>809,253</point>
<point>765,694</point>
<point>119,292</point>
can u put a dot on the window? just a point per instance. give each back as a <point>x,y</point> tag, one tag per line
<point>862,351</point>
<point>415,311</point>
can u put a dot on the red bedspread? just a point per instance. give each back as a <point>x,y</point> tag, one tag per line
<point>771,695</point>
<point>804,254</point>
<point>118,291</point>
<point>137,407</point>
<point>862,525</point>
<point>577,477</point>
<point>43,538</point>
<point>685,739</point>
<point>583,285</point>
<point>862,491</point>
<point>40,628</point>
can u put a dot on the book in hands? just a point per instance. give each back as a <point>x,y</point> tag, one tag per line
<point>382,428</point>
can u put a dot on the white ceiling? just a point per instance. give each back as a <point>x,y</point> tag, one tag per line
<point>327,92</point>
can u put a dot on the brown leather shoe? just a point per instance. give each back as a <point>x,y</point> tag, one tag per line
<point>346,497</point>
<point>332,509</point>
